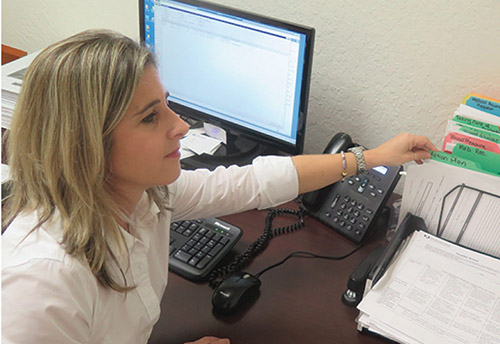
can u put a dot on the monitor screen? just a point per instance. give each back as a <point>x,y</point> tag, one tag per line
<point>246,73</point>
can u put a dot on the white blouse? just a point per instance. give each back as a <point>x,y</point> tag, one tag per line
<point>51,297</point>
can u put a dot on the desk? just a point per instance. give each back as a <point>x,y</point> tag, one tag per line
<point>299,302</point>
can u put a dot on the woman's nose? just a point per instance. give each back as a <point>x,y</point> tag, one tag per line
<point>180,127</point>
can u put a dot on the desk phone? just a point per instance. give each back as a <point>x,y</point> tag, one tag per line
<point>351,206</point>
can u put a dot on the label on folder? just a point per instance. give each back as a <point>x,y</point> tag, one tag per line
<point>453,138</point>
<point>487,161</point>
<point>483,103</point>
<point>476,132</point>
<point>478,124</point>
<point>454,160</point>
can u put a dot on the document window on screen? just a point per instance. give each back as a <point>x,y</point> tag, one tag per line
<point>221,65</point>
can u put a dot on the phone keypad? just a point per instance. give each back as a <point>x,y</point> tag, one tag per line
<point>350,207</point>
<point>350,214</point>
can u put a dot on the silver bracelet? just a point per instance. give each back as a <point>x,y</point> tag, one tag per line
<point>360,158</point>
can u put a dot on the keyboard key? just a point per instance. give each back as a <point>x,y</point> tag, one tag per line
<point>217,237</point>
<point>193,261</point>
<point>204,240</point>
<point>182,256</point>
<point>204,262</point>
<point>216,249</point>
<point>197,236</point>
<point>188,232</point>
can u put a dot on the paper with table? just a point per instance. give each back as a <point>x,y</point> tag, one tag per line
<point>436,292</point>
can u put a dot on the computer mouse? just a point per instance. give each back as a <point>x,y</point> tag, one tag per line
<point>234,292</point>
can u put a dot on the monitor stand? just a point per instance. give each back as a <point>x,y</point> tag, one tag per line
<point>238,151</point>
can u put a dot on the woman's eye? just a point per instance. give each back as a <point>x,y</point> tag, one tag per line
<point>149,118</point>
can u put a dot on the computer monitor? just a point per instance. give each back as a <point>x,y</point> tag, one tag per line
<point>244,72</point>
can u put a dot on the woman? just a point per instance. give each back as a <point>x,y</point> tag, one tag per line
<point>94,158</point>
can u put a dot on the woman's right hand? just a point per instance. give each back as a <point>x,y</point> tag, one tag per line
<point>399,150</point>
<point>210,340</point>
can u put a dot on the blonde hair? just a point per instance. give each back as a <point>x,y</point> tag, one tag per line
<point>73,95</point>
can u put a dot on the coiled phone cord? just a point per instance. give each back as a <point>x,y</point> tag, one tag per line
<point>217,276</point>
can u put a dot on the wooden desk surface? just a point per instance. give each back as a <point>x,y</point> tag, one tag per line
<point>299,301</point>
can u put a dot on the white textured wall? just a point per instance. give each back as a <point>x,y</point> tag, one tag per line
<point>33,24</point>
<point>380,67</point>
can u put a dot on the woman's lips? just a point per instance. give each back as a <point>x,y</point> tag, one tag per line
<point>175,154</point>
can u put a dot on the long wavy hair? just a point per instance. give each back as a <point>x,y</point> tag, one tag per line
<point>73,96</point>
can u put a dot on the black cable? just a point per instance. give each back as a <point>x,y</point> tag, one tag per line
<point>218,275</point>
<point>313,255</point>
<point>305,254</point>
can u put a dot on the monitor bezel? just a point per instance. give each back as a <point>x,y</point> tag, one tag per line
<point>272,142</point>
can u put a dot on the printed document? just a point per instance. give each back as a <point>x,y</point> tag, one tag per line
<point>436,292</point>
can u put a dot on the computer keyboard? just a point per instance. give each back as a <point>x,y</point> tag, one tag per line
<point>196,246</point>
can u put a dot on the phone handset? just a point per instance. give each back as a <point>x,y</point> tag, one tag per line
<point>340,142</point>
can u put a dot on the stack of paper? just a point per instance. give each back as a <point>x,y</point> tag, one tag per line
<point>198,142</point>
<point>435,292</point>
<point>12,77</point>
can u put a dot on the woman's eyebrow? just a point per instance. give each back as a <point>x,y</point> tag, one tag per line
<point>153,103</point>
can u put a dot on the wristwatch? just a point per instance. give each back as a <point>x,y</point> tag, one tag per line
<point>360,159</point>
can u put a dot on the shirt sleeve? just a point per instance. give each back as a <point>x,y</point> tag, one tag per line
<point>45,301</point>
<point>268,181</point>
